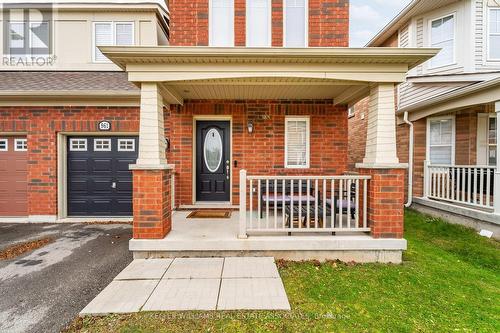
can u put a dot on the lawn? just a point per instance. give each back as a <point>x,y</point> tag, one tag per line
<point>449,281</point>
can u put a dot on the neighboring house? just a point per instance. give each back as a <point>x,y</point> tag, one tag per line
<point>452,102</point>
<point>246,100</point>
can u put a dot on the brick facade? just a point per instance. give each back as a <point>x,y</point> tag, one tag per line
<point>41,124</point>
<point>263,151</point>
<point>328,23</point>
<point>385,202</point>
<point>152,204</point>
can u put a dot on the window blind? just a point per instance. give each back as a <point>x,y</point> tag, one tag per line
<point>222,23</point>
<point>296,142</point>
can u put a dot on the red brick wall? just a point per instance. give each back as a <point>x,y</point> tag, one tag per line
<point>277,21</point>
<point>239,22</point>
<point>328,22</point>
<point>263,151</point>
<point>41,125</point>
<point>357,133</point>
<point>188,22</point>
<point>152,204</point>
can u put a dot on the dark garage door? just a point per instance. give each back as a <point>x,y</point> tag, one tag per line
<point>99,179</point>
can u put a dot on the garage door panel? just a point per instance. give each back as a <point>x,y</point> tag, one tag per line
<point>78,165</point>
<point>103,166</point>
<point>102,207</point>
<point>124,186</point>
<point>13,180</point>
<point>80,186</point>
<point>122,165</point>
<point>103,186</point>
<point>100,182</point>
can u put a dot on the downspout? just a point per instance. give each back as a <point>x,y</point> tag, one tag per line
<point>410,160</point>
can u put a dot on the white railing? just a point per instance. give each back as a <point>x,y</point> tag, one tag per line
<point>465,184</point>
<point>294,204</point>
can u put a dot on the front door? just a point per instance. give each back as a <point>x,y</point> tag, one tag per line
<point>213,163</point>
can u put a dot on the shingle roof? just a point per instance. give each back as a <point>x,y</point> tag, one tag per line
<point>65,81</point>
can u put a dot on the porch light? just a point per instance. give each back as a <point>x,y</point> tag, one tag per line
<point>250,126</point>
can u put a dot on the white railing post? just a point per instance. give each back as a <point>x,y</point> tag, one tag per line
<point>496,189</point>
<point>242,231</point>
<point>427,180</point>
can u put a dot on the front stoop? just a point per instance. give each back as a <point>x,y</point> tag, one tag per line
<point>362,249</point>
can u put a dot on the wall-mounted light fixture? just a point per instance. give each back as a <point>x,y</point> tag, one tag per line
<point>250,126</point>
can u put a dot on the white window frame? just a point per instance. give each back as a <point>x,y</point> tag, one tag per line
<point>489,33</point>
<point>454,60</point>
<point>102,140</point>
<point>120,141</point>
<point>428,137</point>
<point>270,24</point>
<point>306,13</point>
<point>231,44</point>
<point>24,143</point>
<point>6,141</point>
<point>113,35</point>
<point>71,148</point>
<point>308,141</point>
<point>488,144</point>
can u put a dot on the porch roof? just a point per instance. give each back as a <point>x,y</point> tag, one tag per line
<point>341,74</point>
<point>470,95</point>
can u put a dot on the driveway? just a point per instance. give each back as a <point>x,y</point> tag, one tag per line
<point>43,290</point>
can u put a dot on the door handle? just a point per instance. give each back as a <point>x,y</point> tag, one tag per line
<point>113,185</point>
<point>227,169</point>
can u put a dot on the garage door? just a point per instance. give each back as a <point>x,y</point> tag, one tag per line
<point>13,176</point>
<point>99,179</point>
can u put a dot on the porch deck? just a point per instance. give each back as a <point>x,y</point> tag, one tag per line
<point>219,237</point>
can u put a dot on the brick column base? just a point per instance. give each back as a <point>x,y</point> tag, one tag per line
<point>385,202</point>
<point>152,204</point>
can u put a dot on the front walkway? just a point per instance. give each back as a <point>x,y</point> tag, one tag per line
<point>248,283</point>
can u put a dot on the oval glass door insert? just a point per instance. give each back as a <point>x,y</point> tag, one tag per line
<point>213,150</point>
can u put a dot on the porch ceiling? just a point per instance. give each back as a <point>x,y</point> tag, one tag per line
<point>341,74</point>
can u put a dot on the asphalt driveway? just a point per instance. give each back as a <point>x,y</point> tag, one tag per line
<point>45,289</point>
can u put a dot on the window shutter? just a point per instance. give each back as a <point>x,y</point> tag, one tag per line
<point>482,139</point>
<point>296,143</point>
<point>222,23</point>
<point>124,34</point>
<point>103,36</point>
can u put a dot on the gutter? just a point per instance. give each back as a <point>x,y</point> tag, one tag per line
<point>410,161</point>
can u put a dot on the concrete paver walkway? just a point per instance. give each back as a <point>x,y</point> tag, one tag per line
<point>182,284</point>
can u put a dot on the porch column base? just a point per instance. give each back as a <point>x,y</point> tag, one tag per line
<point>152,201</point>
<point>385,200</point>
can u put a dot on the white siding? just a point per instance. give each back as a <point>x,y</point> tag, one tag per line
<point>404,38</point>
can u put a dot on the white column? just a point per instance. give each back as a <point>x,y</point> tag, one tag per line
<point>152,143</point>
<point>381,127</point>
<point>496,190</point>
<point>242,233</point>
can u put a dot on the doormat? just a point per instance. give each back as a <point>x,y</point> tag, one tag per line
<point>210,214</point>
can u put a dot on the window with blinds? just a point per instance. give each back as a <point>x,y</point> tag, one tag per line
<point>295,23</point>
<point>258,20</point>
<point>441,141</point>
<point>221,22</point>
<point>296,142</point>
<point>443,37</point>
<point>111,34</point>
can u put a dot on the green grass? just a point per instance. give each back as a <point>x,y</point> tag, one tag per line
<point>449,282</point>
